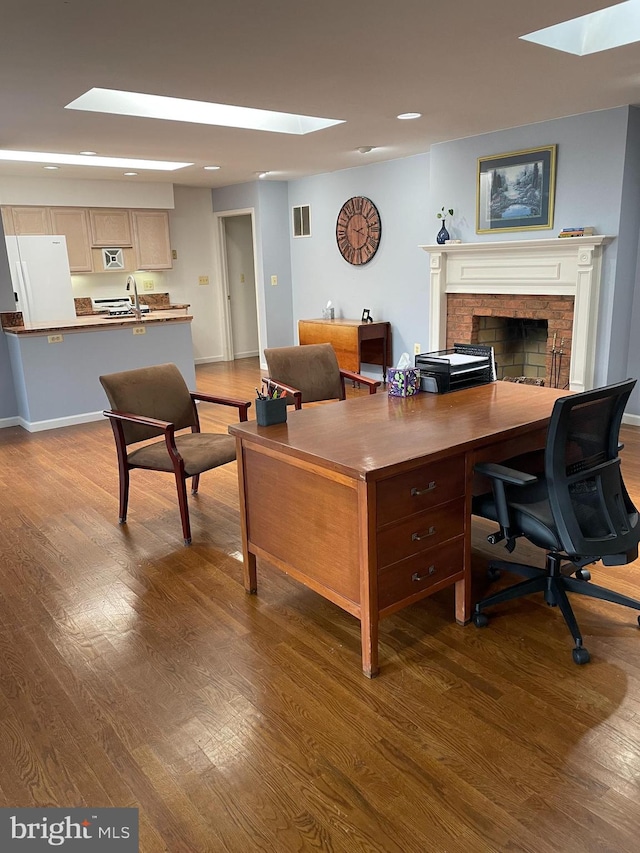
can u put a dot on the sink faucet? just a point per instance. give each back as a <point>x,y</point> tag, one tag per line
<point>137,311</point>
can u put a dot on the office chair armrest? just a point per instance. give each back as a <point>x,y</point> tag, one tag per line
<point>504,474</point>
<point>372,384</point>
<point>241,405</point>
<point>289,390</point>
<point>500,477</point>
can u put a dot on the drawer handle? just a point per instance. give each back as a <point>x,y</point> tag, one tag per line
<point>417,492</point>
<point>418,537</point>
<point>430,571</point>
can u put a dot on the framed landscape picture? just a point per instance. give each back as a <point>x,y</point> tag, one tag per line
<point>516,191</point>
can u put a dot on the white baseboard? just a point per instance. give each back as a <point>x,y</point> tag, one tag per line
<point>251,354</point>
<point>208,359</point>
<point>56,423</point>
<point>9,422</point>
<point>632,420</point>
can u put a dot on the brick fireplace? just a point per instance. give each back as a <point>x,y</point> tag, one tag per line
<point>555,281</point>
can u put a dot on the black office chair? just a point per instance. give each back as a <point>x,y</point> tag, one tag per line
<point>578,510</point>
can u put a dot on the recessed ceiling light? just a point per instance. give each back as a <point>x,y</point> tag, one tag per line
<point>602,30</point>
<point>365,149</point>
<point>262,174</point>
<point>130,174</point>
<point>408,116</point>
<point>89,153</point>
<point>210,168</point>
<point>80,160</point>
<point>51,167</point>
<point>199,112</point>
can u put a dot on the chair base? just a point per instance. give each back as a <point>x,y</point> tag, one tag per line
<point>554,581</point>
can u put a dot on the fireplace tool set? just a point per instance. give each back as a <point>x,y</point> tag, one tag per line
<point>556,362</point>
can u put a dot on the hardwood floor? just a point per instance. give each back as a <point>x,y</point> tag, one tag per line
<point>137,672</point>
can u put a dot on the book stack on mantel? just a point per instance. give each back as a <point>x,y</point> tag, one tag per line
<point>580,231</point>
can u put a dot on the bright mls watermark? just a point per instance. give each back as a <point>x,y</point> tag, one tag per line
<point>80,830</point>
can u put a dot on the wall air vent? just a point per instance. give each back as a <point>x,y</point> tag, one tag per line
<point>302,221</point>
<point>113,259</point>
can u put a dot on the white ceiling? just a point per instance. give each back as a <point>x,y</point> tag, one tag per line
<point>460,63</point>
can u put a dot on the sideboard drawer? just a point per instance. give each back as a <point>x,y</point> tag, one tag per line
<point>420,573</point>
<point>420,532</point>
<point>419,489</point>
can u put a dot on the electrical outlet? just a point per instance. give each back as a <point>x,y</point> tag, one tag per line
<point>417,349</point>
<point>174,254</point>
<point>147,284</point>
<point>203,279</point>
<point>55,339</point>
<point>139,330</point>
<point>274,280</point>
<point>241,278</point>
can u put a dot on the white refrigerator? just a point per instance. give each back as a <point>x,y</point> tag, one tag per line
<point>41,279</point>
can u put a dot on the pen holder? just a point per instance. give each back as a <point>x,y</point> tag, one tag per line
<point>271,411</point>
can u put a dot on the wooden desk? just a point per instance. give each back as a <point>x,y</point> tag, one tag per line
<point>368,501</point>
<point>355,343</point>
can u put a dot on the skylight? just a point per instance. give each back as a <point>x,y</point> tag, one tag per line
<point>87,160</point>
<point>198,112</point>
<point>593,33</point>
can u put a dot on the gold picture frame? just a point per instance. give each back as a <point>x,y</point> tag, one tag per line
<point>516,191</point>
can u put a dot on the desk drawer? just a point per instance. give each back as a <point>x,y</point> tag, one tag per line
<point>420,572</point>
<point>420,532</point>
<point>417,490</point>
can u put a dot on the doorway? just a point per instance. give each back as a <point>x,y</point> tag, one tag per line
<point>242,338</point>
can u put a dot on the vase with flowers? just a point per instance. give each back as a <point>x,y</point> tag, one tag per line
<point>443,234</point>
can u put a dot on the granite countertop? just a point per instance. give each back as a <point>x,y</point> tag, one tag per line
<point>101,321</point>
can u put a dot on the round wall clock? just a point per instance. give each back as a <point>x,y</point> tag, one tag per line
<point>358,230</point>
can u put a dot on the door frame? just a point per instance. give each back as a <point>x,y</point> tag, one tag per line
<point>223,279</point>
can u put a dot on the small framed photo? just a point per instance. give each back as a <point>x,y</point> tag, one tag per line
<point>516,191</point>
<point>366,316</point>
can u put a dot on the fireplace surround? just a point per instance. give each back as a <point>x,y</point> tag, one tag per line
<point>554,279</point>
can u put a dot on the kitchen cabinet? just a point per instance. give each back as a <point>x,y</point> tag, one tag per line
<point>142,235</point>
<point>73,222</point>
<point>25,221</point>
<point>151,239</point>
<point>110,227</point>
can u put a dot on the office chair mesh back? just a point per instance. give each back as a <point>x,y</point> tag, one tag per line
<point>592,511</point>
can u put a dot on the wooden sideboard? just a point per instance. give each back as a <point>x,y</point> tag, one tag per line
<point>355,342</point>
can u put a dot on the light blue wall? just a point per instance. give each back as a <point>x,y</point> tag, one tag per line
<point>394,284</point>
<point>597,160</point>
<point>8,402</point>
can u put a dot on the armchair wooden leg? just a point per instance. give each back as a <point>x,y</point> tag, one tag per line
<point>124,493</point>
<point>195,480</point>
<point>181,484</point>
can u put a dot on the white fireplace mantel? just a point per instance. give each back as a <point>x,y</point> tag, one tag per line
<point>554,266</point>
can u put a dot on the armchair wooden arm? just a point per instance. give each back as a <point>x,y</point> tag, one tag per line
<point>289,390</point>
<point>241,405</point>
<point>372,384</point>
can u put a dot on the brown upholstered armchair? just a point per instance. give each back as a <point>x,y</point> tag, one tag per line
<point>153,401</point>
<point>310,373</point>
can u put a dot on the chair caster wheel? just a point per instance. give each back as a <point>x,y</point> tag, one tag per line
<point>480,620</point>
<point>494,574</point>
<point>581,655</point>
<point>583,575</point>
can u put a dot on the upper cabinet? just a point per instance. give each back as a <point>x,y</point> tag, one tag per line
<point>141,236</point>
<point>73,222</point>
<point>110,227</point>
<point>151,239</point>
<point>26,220</point>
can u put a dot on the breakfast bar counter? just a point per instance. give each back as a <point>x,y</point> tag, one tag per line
<point>56,366</point>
